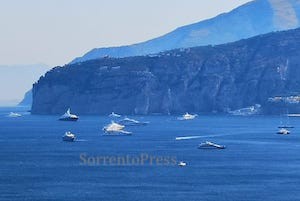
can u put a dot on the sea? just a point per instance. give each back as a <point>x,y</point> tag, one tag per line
<point>257,164</point>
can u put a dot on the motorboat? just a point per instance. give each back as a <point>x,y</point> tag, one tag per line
<point>115,129</point>
<point>207,144</point>
<point>132,122</point>
<point>188,116</point>
<point>247,111</point>
<point>14,114</point>
<point>69,137</point>
<point>68,116</point>
<point>181,164</point>
<point>114,115</point>
<point>283,131</point>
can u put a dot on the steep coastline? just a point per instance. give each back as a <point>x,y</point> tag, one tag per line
<point>202,79</point>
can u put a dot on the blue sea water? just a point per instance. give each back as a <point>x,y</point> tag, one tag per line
<point>35,164</point>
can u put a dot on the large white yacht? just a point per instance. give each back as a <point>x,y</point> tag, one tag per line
<point>188,116</point>
<point>115,129</point>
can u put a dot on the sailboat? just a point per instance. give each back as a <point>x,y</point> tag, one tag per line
<point>285,124</point>
<point>114,115</point>
<point>283,127</point>
<point>68,116</point>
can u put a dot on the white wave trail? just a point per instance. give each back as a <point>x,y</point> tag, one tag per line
<point>202,136</point>
<point>81,140</point>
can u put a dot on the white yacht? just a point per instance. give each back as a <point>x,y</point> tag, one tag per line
<point>68,136</point>
<point>207,144</point>
<point>182,164</point>
<point>68,116</point>
<point>115,129</point>
<point>188,116</point>
<point>283,131</point>
<point>131,122</point>
<point>114,115</point>
<point>13,114</point>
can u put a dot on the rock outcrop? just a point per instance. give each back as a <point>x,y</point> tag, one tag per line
<point>27,100</point>
<point>202,79</point>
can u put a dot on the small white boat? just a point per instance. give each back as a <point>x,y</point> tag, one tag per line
<point>181,164</point>
<point>132,122</point>
<point>188,116</point>
<point>114,115</point>
<point>68,116</point>
<point>283,131</point>
<point>13,114</point>
<point>115,129</point>
<point>68,136</point>
<point>207,144</point>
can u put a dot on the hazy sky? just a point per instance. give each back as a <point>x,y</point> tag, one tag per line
<point>56,31</point>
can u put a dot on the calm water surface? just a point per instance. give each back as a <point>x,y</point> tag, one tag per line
<point>257,165</point>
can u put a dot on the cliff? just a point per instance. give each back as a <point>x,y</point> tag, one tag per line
<point>27,100</point>
<point>201,79</point>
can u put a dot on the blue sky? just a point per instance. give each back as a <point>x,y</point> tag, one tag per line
<point>56,31</point>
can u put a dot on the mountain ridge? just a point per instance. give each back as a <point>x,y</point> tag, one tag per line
<point>253,18</point>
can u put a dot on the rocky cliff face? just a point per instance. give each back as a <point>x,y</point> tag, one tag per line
<point>27,100</point>
<point>254,18</point>
<point>202,79</point>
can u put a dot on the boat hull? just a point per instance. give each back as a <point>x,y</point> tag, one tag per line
<point>281,133</point>
<point>68,119</point>
<point>117,134</point>
<point>68,139</point>
<point>133,124</point>
<point>211,147</point>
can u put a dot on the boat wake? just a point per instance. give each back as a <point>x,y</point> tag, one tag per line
<point>187,137</point>
<point>81,140</point>
<point>202,136</point>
